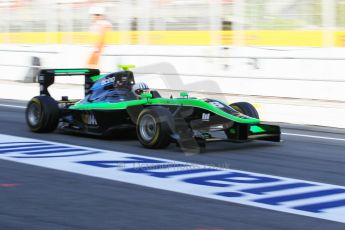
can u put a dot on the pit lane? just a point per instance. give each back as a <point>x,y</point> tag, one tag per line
<point>45,198</point>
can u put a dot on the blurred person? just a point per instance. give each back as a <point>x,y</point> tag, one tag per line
<point>99,28</point>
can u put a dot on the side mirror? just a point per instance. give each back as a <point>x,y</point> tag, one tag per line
<point>184,94</point>
<point>146,95</point>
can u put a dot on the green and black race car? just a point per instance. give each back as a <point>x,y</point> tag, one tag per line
<point>115,103</point>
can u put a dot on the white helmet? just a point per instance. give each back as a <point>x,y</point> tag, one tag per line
<point>139,88</point>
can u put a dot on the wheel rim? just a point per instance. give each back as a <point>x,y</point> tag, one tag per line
<point>34,114</point>
<point>148,127</point>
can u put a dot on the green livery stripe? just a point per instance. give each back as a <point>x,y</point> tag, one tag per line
<point>203,105</point>
<point>71,71</point>
<point>257,129</point>
<point>96,78</point>
<point>108,105</point>
<point>164,102</point>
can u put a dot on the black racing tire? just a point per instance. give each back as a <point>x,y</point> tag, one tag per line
<point>154,127</point>
<point>42,114</point>
<point>246,109</point>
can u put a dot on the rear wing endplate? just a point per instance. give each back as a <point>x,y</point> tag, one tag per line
<point>46,77</point>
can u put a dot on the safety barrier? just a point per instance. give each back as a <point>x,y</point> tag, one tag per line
<point>296,73</point>
<point>289,38</point>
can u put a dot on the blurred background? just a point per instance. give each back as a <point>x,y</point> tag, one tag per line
<point>310,22</point>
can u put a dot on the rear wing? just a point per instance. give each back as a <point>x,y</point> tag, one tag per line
<point>47,77</point>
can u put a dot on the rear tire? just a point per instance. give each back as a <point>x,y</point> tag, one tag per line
<point>42,114</point>
<point>154,127</point>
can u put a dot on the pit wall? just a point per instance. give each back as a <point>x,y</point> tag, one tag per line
<point>293,72</point>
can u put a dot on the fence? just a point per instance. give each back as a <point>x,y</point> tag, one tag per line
<point>205,22</point>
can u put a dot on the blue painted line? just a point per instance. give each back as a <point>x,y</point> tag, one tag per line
<point>317,208</point>
<point>280,199</point>
<point>23,146</point>
<point>113,164</point>
<point>55,148</point>
<point>230,194</point>
<point>73,155</point>
<point>19,142</point>
<point>263,190</point>
<point>150,170</point>
<point>23,150</point>
<point>57,151</point>
<point>226,180</point>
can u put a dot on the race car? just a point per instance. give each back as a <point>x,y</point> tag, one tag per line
<point>115,103</point>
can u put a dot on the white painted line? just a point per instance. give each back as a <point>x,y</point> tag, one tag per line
<point>316,137</point>
<point>306,198</point>
<point>13,106</point>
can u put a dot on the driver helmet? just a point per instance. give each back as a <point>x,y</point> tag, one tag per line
<point>139,88</point>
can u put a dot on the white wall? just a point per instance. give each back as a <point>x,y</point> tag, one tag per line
<point>296,78</point>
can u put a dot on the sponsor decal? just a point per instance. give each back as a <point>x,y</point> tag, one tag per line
<point>89,119</point>
<point>319,200</point>
<point>205,117</point>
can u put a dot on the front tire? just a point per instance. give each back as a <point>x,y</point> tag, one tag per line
<point>244,108</point>
<point>42,114</point>
<point>154,127</point>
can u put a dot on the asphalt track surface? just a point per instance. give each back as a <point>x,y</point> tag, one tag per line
<point>38,198</point>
